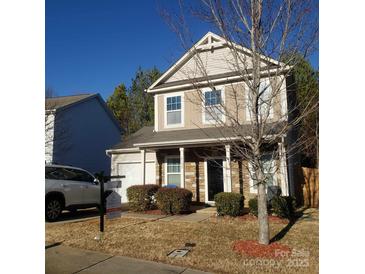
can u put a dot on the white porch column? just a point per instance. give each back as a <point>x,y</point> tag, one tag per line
<point>283,169</point>
<point>182,167</point>
<point>143,165</point>
<point>228,168</point>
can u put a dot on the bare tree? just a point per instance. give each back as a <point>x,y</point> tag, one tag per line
<point>259,119</point>
<point>50,92</point>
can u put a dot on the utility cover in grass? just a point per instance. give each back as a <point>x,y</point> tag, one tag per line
<point>254,249</point>
<point>178,253</point>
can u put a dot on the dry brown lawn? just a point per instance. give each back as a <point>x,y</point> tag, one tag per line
<point>153,240</point>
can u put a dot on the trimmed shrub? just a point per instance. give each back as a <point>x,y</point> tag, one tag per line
<point>283,206</point>
<point>141,197</point>
<point>252,204</point>
<point>229,203</point>
<point>173,200</point>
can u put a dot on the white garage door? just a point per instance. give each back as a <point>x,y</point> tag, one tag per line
<point>132,173</point>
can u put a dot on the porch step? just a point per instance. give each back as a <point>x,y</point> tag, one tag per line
<point>208,210</point>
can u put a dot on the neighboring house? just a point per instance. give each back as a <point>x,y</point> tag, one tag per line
<point>78,130</point>
<point>179,148</point>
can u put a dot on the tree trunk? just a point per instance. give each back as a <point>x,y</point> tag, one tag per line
<point>264,235</point>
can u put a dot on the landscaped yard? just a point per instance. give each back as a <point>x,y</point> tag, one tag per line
<point>214,239</point>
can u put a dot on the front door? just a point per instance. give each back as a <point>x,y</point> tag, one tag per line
<point>215,177</point>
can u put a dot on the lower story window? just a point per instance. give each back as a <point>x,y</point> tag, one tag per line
<point>173,171</point>
<point>268,166</point>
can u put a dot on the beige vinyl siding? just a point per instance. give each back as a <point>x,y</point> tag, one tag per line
<point>217,61</point>
<point>278,99</point>
<point>235,102</point>
<point>160,113</point>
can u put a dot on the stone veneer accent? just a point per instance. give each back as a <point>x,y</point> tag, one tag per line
<point>194,179</point>
<point>194,174</point>
<point>241,180</point>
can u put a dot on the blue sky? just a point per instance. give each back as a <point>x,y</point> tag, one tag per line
<point>94,45</point>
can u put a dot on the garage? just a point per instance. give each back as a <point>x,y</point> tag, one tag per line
<point>128,164</point>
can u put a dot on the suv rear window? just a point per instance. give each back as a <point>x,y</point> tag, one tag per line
<point>58,173</point>
<point>55,173</point>
<point>78,175</point>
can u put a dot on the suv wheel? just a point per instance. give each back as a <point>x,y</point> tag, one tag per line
<point>53,209</point>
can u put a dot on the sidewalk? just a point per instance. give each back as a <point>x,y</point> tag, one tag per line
<point>64,260</point>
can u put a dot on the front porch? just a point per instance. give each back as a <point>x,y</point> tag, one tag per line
<point>208,170</point>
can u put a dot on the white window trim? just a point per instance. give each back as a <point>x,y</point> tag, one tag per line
<point>182,109</point>
<point>248,116</point>
<point>283,170</point>
<point>252,190</point>
<point>204,90</point>
<point>283,94</point>
<point>166,158</point>
<point>225,181</point>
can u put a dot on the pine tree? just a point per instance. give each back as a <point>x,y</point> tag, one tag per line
<point>118,102</point>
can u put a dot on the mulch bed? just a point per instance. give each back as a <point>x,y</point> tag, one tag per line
<point>159,212</point>
<point>254,249</point>
<point>152,212</point>
<point>249,217</point>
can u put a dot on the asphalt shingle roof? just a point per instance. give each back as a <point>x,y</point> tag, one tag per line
<point>62,101</point>
<point>148,135</point>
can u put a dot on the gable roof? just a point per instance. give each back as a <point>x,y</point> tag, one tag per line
<point>207,43</point>
<point>54,103</point>
<point>64,102</point>
<point>137,137</point>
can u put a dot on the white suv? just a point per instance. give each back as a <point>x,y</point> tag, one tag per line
<point>69,188</point>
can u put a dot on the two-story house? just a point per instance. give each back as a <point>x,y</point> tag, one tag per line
<point>78,130</point>
<point>182,146</point>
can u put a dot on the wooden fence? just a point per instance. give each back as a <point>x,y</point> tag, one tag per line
<point>310,187</point>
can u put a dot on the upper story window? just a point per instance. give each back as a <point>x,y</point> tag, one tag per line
<point>173,110</point>
<point>213,110</point>
<point>266,102</point>
<point>266,99</point>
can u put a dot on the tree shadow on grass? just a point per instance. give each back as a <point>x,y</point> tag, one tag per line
<point>286,229</point>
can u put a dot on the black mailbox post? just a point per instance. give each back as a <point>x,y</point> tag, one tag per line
<point>102,203</point>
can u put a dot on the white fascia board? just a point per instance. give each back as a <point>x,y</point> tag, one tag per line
<point>186,55</point>
<point>184,142</point>
<point>206,82</point>
<point>195,141</point>
<point>222,42</point>
<point>120,150</point>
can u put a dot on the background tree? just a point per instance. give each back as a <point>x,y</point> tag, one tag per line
<point>142,104</point>
<point>119,103</point>
<point>132,106</point>
<point>50,92</point>
<point>307,83</point>
<point>268,29</point>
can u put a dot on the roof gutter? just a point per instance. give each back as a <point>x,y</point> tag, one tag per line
<point>186,142</point>
<point>109,152</point>
<point>197,141</point>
